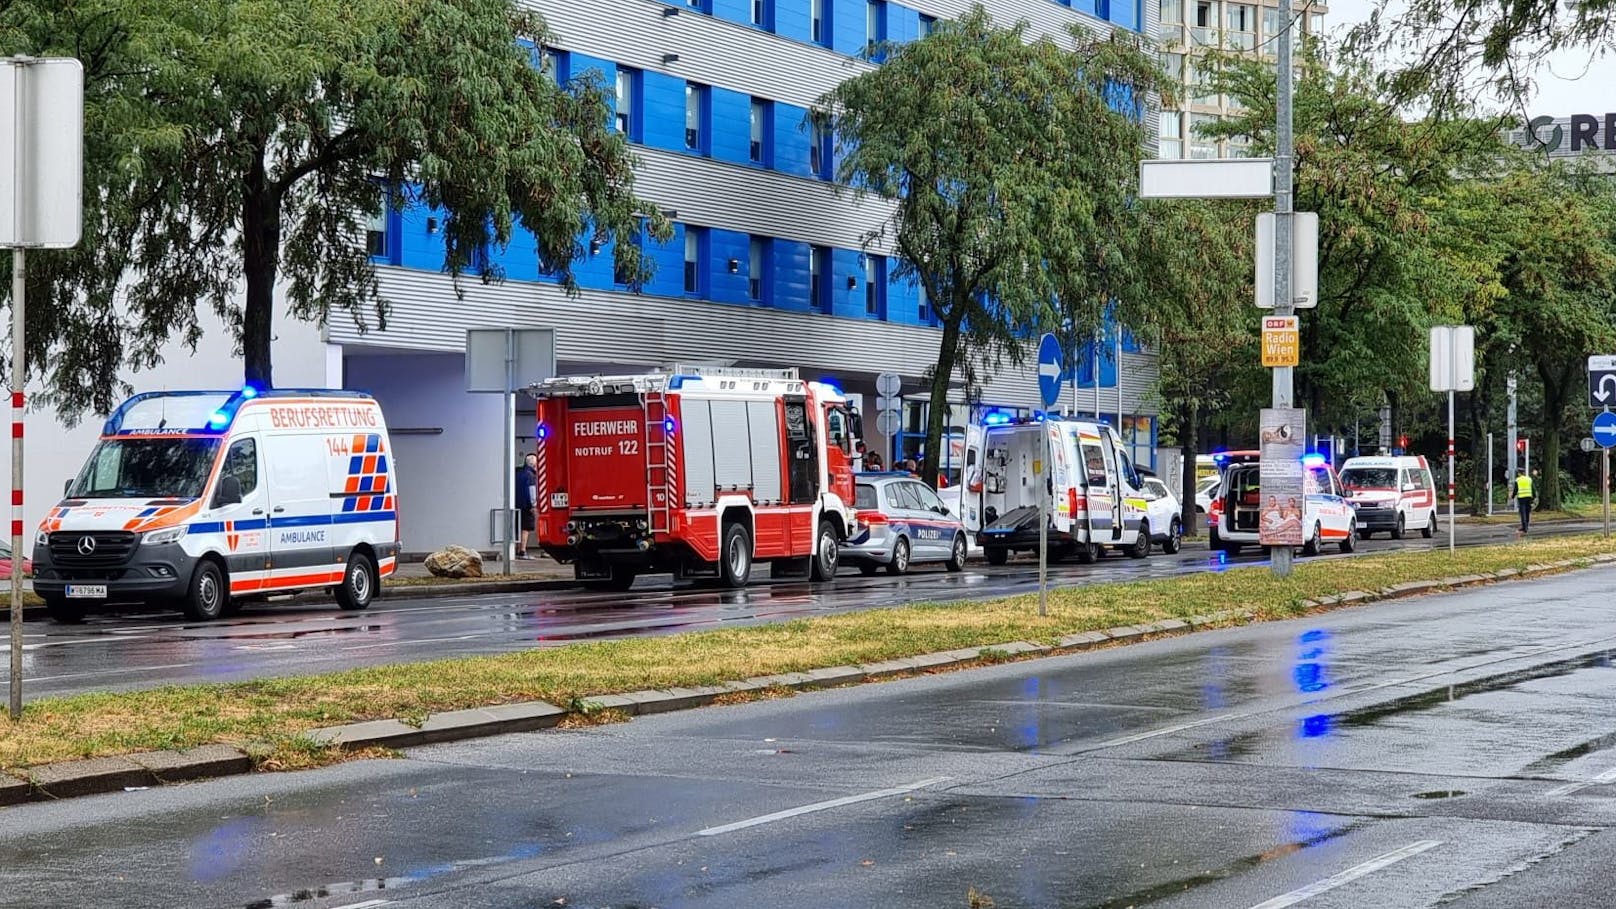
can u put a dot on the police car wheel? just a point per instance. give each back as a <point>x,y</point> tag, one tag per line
<point>1430,527</point>
<point>206,598</point>
<point>956,555</point>
<point>1141,544</point>
<point>358,585</point>
<point>900,557</point>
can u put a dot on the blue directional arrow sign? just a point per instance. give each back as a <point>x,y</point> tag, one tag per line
<point>1050,369</point>
<point>1605,429</point>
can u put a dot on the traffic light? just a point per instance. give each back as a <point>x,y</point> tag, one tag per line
<point>1520,445</point>
<point>1402,442</point>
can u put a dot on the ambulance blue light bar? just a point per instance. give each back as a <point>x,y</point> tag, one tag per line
<point>170,413</point>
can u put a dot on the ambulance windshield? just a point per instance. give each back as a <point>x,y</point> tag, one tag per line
<point>1369,478</point>
<point>146,468</point>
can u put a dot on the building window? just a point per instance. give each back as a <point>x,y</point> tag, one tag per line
<point>763,14</point>
<point>699,6</point>
<point>1205,31</point>
<point>875,286</point>
<point>927,25</point>
<point>695,117</point>
<point>627,118</point>
<point>376,234</point>
<point>819,16</point>
<point>819,150</point>
<point>1315,24</point>
<point>757,268</point>
<point>819,274</point>
<point>761,122</point>
<point>1172,12</point>
<point>1172,135</point>
<point>1174,64</point>
<point>1202,146</point>
<point>553,64</point>
<point>1242,20</point>
<point>875,18</point>
<point>695,255</point>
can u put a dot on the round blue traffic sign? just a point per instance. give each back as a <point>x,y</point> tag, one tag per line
<point>1050,368</point>
<point>1605,429</point>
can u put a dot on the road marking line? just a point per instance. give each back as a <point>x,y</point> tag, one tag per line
<point>821,806</point>
<point>1606,777</point>
<point>365,905</point>
<point>1349,875</point>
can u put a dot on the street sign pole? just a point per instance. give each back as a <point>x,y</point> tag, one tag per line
<point>1453,369</point>
<point>1284,300</point>
<point>1450,471</point>
<point>1605,438</point>
<point>1051,363</point>
<point>1489,474</point>
<point>19,265</point>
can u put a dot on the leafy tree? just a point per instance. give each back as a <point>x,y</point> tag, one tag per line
<point>1196,258</point>
<point>1010,164</point>
<point>238,146</point>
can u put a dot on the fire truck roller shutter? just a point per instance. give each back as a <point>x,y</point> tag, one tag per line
<point>698,461</point>
<point>732,451</point>
<point>763,419</point>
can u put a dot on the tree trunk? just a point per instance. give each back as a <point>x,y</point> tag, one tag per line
<point>937,412</point>
<point>1189,442</point>
<point>261,249</point>
<point>1547,485</point>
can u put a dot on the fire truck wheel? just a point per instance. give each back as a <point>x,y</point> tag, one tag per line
<point>900,557</point>
<point>996,556</point>
<point>827,553</point>
<point>735,559</point>
<point>1141,543</point>
<point>956,556</point>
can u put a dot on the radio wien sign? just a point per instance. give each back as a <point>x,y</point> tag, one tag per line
<point>1281,341</point>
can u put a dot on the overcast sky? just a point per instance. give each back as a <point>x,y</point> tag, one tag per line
<point>1578,82</point>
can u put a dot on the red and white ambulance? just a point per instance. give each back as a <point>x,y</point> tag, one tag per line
<point>696,471</point>
<point>1394,494</point>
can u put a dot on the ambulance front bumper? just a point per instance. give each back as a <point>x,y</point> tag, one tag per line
<point>150,573</point>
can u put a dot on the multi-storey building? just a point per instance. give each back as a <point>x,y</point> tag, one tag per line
<point>765,267</point>
<point>1189,29</point>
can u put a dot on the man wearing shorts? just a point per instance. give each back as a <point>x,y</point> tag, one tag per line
<point>527,478</point>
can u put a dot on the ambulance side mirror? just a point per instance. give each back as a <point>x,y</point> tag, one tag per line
<point>228,493</point>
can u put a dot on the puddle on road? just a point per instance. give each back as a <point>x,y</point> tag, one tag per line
<point>1552,762</point>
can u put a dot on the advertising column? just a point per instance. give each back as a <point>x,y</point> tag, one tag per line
<point>1284,431</point>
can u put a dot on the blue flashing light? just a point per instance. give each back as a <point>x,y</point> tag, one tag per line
<point>219,420</point>
<point>1313,460</point>
<point>668,426</point>
<point>248,392</point>
<point>543,432</point>
<point>832,383</point>
<point>995,418</point>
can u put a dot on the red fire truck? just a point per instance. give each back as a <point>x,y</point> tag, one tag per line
<point>698,471</point>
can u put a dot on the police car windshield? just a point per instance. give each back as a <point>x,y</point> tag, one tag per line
<point>145,468</point>
<point>1369,478</point>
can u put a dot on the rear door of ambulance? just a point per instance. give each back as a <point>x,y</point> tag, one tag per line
<point>301,544</point>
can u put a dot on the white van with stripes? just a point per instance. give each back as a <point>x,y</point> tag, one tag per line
<point>211,498</point>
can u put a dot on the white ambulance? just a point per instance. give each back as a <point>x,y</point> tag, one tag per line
<point>207,498</point>
<point>1394,494</point>
<point>1098,500</point>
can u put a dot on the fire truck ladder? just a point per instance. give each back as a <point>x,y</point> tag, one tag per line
<point>659,478</point>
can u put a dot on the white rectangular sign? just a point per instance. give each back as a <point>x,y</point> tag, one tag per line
<point>41,152</point>
<point>1602,363</point>
<point>532,353</point>
<point>1304,260</point>
<point>1453,358</point>
<point>1215,178</point>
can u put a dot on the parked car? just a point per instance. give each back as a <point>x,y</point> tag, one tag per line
<point>1166,521</point>
<point>1324,514</point>
<point>1205,492</point>
<point>5,563</point>
<point>1396,495</point>
<point>903,522</point>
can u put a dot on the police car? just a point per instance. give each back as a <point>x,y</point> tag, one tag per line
<point>903,522</point>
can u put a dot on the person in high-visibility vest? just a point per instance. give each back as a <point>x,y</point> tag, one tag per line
<point>1522,492</point>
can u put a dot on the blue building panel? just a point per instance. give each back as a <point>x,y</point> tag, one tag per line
<point>1126,13</point>
<point>903,298</point>
<point>847,26</point>
<point>582,65</point>
<point>419,247</point>
<point>791,276</point>
<point>667,261</point>
<point>731,126</point>
<point>847,302</point>
<point>733,10</point>
<point>594,270</point>
<point>793,20</point>
<point>1085,6</point>
<point>723,285</point>
<point>664,110</point>
<point>903,23</point>
<point>519,260</point>
<point>791,139</point>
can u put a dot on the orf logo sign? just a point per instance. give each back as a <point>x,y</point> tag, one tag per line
<point>1586,133</point>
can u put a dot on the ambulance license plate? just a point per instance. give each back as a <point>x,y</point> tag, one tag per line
<point>87,591</point>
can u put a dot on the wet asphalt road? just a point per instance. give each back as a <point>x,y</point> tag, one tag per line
<point>1456,749</point>
<point>139,650</point>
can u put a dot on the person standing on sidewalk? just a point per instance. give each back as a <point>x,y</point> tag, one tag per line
<point>527,479</point>
<point>1523,495</point>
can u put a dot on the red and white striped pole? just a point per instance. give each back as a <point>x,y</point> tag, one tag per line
<point>19,265</point>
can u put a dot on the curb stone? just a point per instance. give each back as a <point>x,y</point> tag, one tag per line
<point>110,774</point>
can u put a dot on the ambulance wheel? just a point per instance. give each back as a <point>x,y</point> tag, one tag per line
<point>956,555</point>
<point>1141,543</point>
<point>1397,532</point>
<point>1175,538</point>
<point>63,611</point>
<point>1311,547</point>
<point>1430,527</point>
<point>900,557</point>
<point>995,555</point>
<point>1088,553</point>
<point>827,553</point>
<point>735,559</point>
<point>1350,541</point>
<point>359,583</point>
<point>208,593</point>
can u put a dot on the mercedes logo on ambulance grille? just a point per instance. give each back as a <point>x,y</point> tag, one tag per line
<point>86,546</point>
